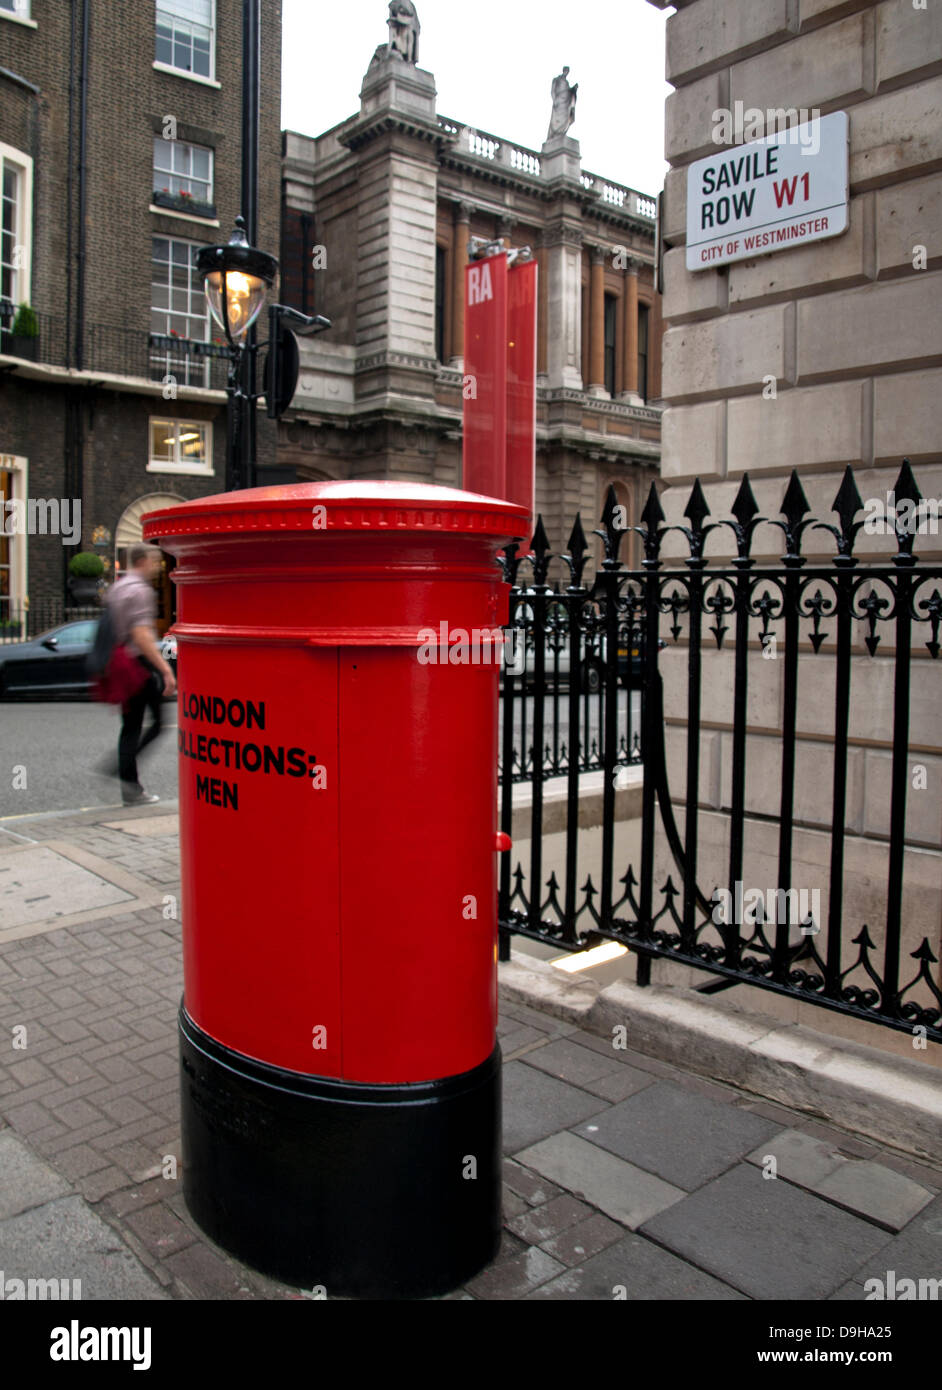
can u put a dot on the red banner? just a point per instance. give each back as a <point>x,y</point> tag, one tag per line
<point>485,376</point>
<point>520,466</point>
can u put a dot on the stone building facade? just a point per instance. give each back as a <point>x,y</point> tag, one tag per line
<point>377,215</point>
<point>120,145</point>
<point>849,332</point>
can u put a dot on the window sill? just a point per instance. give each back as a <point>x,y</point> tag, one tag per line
<point>187,76</point>
<point>18,19</point>
<point>192,472</point>
<point>184,216</point>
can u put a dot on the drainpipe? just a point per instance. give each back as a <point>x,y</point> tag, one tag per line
<point>74,405</point>
<point>68,192</point>
<point>251,66</point>
<point>83,192</point>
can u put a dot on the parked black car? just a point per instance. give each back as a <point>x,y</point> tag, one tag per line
<point>51,664</point>
<point>630,665</point>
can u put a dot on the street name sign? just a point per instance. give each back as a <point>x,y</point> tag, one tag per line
<point>773,194</point>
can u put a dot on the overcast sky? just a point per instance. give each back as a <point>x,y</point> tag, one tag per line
<point>493,66</point>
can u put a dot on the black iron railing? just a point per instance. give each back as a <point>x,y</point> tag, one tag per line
<point>557,668</point>
<point>165,358</point>
<point>828,615</point>
<point>23,624</point>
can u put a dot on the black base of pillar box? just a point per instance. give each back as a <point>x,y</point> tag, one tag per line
<point>365,1191</point>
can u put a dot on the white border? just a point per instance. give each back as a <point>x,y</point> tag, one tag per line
<point>24,232</point>
<point>192,145</point>
<point>187,76</point>
<point>18,18</point>
<point>195,76</point>
<point>185,216</point>
<point>203,470</point>
<point>18,465</point>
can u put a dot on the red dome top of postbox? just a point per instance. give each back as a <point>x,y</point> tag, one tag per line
<point>349,506</point>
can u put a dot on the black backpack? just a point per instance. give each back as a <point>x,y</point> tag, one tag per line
<point>103,646</point>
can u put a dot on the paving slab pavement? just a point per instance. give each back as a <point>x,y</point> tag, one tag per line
<point>48,1235</point>
<point>626,1175</point>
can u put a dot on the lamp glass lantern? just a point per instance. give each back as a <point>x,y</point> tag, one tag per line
<point>236,278</point>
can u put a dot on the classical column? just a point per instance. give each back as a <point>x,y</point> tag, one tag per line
<point>630,377</point>
<point>459,261</point>
<point>654,348</point>
<point>541,309</point>
<point>563,261</point>
<point>597,322</point>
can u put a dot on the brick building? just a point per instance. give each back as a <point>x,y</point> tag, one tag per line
<point>377,214</point>
<point>120,154</point>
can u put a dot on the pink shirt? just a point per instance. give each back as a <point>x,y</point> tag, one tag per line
<point>133,603</point>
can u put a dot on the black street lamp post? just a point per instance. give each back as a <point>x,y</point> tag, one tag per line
<point>237,278</point>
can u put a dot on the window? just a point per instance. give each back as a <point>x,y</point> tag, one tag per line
<point>185,35</point>
<point>76,634</point>
<point>6,550</point>
<point>12,543</point>
<point>180,446</point>
<point>440,286</point>
<point>609,330</point>
<point>183,170</point>
<point>178,309</point>
<point>20,8</point>
<point>643,351</point>
<point>16,197</point>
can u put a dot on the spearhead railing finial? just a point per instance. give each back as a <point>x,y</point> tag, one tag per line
<point>578,550</point>
<point>652,532</point>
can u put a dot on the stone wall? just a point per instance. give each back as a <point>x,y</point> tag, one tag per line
<point>849,332</point>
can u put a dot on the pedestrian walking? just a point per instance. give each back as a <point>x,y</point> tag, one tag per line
<point>132,606</point>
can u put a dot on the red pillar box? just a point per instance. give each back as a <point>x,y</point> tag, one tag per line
<point>338,658</point>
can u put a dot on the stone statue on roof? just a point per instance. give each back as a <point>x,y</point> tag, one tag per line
<point>564,105</point>
<point>404,30</point>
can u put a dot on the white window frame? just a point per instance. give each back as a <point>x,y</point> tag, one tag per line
<point>19,467</point>
<point>18,12</point>
<point>187,72</point>
<point>190,371</point>
<point>203,470</point>
<point>172,174</point>
<point>24,215</point>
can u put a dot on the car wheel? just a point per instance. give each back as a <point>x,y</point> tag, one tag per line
<point>593,679</point>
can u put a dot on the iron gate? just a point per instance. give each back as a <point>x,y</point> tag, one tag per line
<point>796,610</point>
